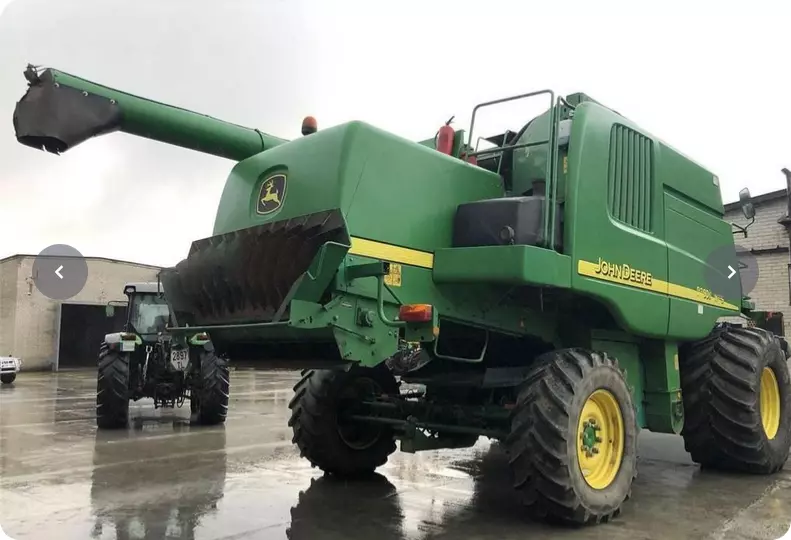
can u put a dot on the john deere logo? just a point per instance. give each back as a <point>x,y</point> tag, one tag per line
<point>272,194</point>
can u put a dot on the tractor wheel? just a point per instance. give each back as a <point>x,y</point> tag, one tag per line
<point>211,401</point>
<point>573,441</point>
<point>335,446</point>
<point>7,378</point>
<point>112,389</point>
<point>737,401</point>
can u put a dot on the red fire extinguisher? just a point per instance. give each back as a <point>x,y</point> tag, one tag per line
<point>445,138</point>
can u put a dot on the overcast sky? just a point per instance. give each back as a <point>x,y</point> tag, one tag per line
<point>713,83</point>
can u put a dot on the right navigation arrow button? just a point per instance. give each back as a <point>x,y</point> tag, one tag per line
<point>733,272</point>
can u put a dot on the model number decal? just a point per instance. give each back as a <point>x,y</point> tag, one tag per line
<point>708,295</point>
<point>623,272</point>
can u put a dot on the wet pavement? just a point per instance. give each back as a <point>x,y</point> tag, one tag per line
<point>163,479</point>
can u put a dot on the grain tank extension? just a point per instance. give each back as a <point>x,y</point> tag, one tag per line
<point>565,285</point>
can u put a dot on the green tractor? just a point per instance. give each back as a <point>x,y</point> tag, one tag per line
<point>145,361</point>
<point>558,283</point>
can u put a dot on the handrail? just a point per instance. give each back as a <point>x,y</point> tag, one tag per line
<point>552,169</point>
<point>505,100</point>
<point>504,148</point>
<point>552,142</point>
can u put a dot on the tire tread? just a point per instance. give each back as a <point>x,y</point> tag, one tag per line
<point>112,389</point>
<point>314,426</point>
<point>215,389</point>
<point>720,382</point>
<point>538,441</point>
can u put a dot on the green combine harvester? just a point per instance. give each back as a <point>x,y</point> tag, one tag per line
<point>558,283</point>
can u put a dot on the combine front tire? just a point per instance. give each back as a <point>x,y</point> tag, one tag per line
<point>112,389</point>
<point>336,446</point>
<point>7,378</point>
<point>573,441</point>
<point>210,402</point>
<point>737,401</point>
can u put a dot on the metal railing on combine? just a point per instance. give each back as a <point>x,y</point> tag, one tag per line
<point>551,141</point>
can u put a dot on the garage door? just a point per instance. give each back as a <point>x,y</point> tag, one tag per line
<point>82,329</point>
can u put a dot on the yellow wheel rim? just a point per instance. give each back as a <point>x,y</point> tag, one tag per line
<point>770,402</point>
<point>600,439</point>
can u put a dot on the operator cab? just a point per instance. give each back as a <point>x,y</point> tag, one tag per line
<point>148,313</point>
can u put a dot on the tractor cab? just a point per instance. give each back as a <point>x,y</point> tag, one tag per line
<point>148,314</point>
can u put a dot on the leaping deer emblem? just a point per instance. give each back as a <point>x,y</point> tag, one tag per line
<point>270,195</point>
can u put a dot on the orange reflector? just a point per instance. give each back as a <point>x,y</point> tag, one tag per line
<point>415,313</point>
<point>309,125</point>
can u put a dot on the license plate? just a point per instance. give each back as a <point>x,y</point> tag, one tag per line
<point>127,346</point>
<point>179,359</point>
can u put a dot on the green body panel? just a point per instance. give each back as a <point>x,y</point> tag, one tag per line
<point>628,354</point>
<point>592,234</point>
<point>692,232</point>
<point>664,410</point>
<point>530,163</point>
<point>358,342</point>
<point>361,170</point>
<point>516,265</point>
<point>647,307</point>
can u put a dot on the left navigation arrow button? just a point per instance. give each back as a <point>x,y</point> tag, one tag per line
<point>60,272</point>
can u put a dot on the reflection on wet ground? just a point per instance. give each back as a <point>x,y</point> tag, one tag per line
<point>165,479</point>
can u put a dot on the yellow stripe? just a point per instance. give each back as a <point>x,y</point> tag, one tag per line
<point>424,259</point>
<point>588,269</point>
<point>389,252</point>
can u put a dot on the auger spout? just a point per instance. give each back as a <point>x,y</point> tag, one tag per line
<point>60,111</point>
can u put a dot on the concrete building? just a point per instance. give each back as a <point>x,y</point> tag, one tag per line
<point>768,240</point>
<point>48,334</point>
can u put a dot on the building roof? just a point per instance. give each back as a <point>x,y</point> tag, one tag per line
<point>105,259</point>
<point>759,199</point>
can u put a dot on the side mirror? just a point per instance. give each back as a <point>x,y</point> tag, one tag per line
<point>747,203</point>
<point>109,311</point>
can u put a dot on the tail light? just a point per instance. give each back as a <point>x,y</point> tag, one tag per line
<point>416,313</point>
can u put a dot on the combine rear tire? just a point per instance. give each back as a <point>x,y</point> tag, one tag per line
<point>7,378</point>
<point>337,447</point>
<point>112,389</point>
<point>573,441</point>
<point>211,401</point>
<point>737,401</point>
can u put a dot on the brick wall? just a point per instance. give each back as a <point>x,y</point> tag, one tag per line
<point>772,291</point>
<point>8,293</point>
<point>35,328</point>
